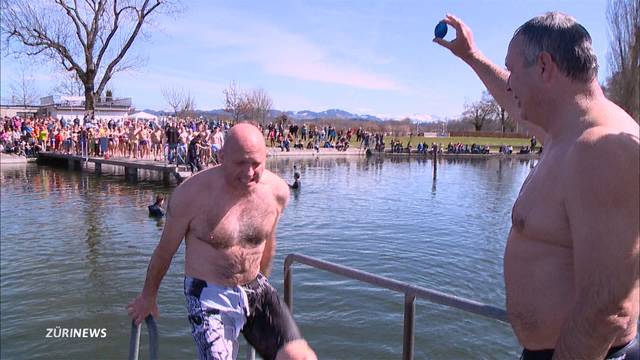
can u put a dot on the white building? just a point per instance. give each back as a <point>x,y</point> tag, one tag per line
<point>71,107</point>
<point>18,110</point>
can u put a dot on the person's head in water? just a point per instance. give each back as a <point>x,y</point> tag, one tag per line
<point>159,200</point>
<point>243,156</point>
<point>549,57</point>
<point>296,181</point>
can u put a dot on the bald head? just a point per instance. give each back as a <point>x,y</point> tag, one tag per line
<point>243,156</point>
<point>244,136</point>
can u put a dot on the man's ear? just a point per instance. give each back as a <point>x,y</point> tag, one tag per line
<point>548,67</point>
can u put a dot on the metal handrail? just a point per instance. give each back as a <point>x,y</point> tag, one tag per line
<point>411,292</point>
<point>134,340</point>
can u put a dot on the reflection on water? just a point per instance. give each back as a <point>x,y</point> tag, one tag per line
<point>75,248</point>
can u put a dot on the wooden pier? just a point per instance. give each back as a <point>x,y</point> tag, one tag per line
<point>131,166</point>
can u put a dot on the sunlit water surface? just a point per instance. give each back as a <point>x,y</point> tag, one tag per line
<point>75,249</point>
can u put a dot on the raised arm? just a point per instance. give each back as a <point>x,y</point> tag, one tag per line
<point>494,77</point>
<point>602,208</point>
<point>177,223</point>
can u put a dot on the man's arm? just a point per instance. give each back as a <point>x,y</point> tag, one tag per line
<point>602,208</point>
<point>281,192</point>
<point>177,222</point>
<point>494,77</point>
<point>269,251</point>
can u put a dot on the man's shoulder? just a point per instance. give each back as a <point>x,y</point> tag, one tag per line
<point>273,180</point>
<point>204,181</point>
<point>606,141</point>
<point>276,185</point>
<point>605,155</point>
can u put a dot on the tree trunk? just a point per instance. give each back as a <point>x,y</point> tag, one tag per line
<point>89,100</point>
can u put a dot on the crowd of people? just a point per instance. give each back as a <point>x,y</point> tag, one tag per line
<point>193,142</point>
<point>460,148</point>
<point>310,137</point>
<point>171,141</point>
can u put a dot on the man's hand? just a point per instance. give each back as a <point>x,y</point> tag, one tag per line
<point>141,307</point>
<point>462,46</point>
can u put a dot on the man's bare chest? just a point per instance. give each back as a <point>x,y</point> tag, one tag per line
<point>539,213</point>
<point>246,224</point>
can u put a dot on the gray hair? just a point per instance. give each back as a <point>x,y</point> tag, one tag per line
<point>568,43</point>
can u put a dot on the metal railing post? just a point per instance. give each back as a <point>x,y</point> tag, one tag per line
<point>409,326</point>
<point>288,289</point>
<point>134,340</point>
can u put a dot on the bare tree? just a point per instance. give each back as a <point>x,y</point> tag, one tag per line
<point>236,102</point>
<point>479,112</point>
<point>623,85</point>
<point>90,38</point>
<point>23,90</point>
<point>283,119</point>
<point>69,84</point>
<point>260,104</point>
<point>175,98</point>
<point>188,105</point>
<point>499,113</point>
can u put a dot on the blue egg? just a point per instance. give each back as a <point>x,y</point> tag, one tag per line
<point>441,29</point>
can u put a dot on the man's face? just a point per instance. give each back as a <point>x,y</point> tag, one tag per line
<point>521,82</point>
<point>243,165</point>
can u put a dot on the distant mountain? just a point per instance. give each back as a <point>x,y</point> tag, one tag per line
<point>308,115</point>
<point>154,112</point>
<point>329,114</point>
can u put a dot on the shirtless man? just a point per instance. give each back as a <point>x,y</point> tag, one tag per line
<point>216,139</point>
<point>228,216</point>
<point>156,143</point>
<point>571,264</point>
<point>134,130</point>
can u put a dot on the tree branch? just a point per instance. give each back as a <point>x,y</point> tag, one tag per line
<point>91,4</point>
<point>76,21</point>
<point>114,29</point>
<point>142,14</point>
<point>59,48</point>
<point>93,32</point>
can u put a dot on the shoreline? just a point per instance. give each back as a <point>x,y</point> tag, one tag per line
<point>275,152</point>
<point>9,159</point>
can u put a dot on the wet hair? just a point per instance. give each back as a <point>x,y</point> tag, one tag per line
<point>568,43</point>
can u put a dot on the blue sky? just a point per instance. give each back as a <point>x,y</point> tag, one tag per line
<point>366,57</point>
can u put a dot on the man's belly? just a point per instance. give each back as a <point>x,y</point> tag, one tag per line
<point>540,290</point>
<point>228,267</point>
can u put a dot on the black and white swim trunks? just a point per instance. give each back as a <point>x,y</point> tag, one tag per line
<point>219,313</point>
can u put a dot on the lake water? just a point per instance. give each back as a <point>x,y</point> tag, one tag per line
<point>75,249</point>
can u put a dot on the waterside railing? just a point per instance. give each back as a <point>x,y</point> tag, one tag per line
<point>411,292</point>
